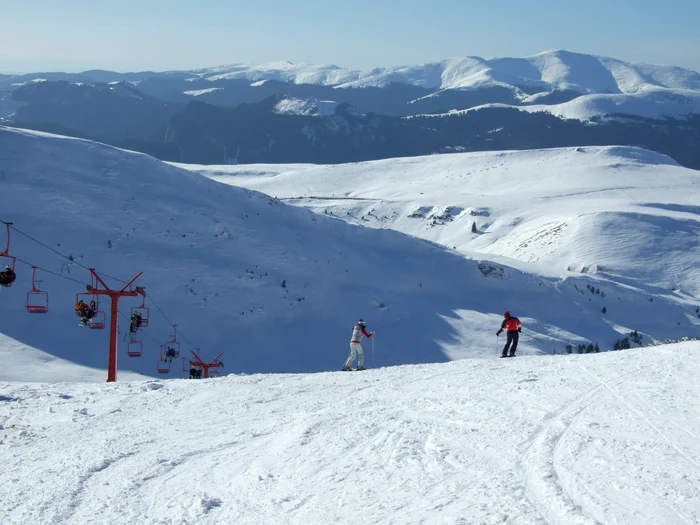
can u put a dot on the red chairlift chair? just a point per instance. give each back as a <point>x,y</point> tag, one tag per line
<point>98,321</point>
<point>185,370</point>
<point>144,311</point>
<point>163,366</point>
<point>5,258</point>
<point>134,348</point>
<point>172,343</point>
<point>37,300</point>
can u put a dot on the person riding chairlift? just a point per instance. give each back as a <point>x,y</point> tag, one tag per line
<point>7,276</point>
<point>84,311</point>
<point>170,354</point>
<point>135,322</point>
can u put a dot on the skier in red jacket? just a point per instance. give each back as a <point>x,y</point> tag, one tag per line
<point>512,327</point>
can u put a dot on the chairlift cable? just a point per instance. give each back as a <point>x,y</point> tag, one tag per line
<point>71,259</point>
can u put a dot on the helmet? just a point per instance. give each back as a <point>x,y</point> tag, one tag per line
<point>506,314</point>
<point>361,322</point>
<point>8,267</point>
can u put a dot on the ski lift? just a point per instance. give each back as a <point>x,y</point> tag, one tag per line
<point>143,310</point>
<point>134,348</point>
<point>163,366</point>
<point>37,300</point>
<point>5,258</point>
<point>172,344</point>
<point>185,370</point>
<point>97,321</point>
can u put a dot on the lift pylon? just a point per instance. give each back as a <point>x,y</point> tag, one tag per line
<point>214,363</point>
<point>101,288</point>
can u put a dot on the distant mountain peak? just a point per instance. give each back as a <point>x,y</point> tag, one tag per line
<point>552,69</point>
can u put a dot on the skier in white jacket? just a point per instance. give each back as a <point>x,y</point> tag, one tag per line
<point>358,331</point>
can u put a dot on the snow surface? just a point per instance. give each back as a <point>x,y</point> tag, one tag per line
<point>33,81</point>
<point>652,103</point>
<point>593,439</point>
<point>308,107</point>
<point>200,92</point>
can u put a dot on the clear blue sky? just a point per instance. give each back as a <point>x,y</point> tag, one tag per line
<point>129,35</point>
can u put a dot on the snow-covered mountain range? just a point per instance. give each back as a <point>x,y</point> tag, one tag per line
<point>284,112</point>
<point>557,69</point>
<point>607,85</point>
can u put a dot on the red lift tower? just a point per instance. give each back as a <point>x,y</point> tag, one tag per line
<point>214,363</point>
<point>114,295</point>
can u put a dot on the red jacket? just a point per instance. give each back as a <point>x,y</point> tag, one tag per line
<point>512,324</point>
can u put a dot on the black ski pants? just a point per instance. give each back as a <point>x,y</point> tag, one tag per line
<point>511,339</point>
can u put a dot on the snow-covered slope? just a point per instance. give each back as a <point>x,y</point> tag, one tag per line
<point>278,288</point>
<point>652,103</point>
<point>592,439</point>
<point>31,364</point>
<point>618,214</point>
<point>308,107</point>
<point>275,287</point>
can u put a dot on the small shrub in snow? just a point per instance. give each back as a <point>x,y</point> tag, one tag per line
<point>636,337</point>
<point>622,344</point>
<point>604,310</point>
<point>490,269</point>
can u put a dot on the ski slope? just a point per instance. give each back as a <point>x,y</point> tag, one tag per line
<point>277,288</point>
<point>593,439</point>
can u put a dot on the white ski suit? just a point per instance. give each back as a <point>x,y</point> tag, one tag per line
<point>356,346</point>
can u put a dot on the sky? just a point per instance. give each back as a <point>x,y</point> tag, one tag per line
<point>75,35</point>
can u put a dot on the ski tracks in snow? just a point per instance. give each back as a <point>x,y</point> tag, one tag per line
<point>556,458</point>
<point>411,445</point>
